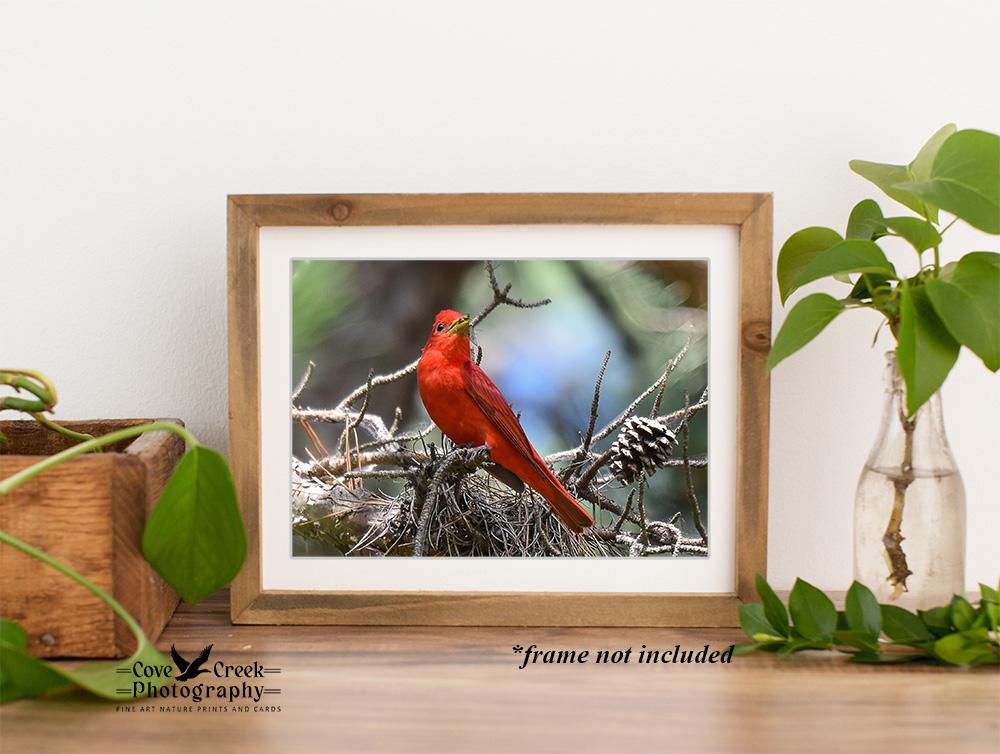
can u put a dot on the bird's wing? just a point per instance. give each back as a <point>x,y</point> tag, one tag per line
<point>198,661</point>
<point>491,402</point>
<point>179,661</point>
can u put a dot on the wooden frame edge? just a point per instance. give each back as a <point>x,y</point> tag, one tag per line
<point>751,212</point>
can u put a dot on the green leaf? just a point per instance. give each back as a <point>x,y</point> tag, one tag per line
<point>888,178</point>
<point>798,251</point>
<point>987,658</point>
<point>965,647</point>
<point>967,300</point>
<point>768,638</point>
<point>990,605</point>
<point>25,675</point>
<point>863,221</point>
<point>195,538</point>
<point>11,633</point>
<point>962,613</point>
<point>774,608</point>
<point>965,179</point>
<point>847,256</point>
<point>860,640</point>
<point>866,286</point>
<point>797,645</point>
<point>921,166</point>
<point>862,610</point>
<point>813,613</point>
<point>842,621</point>
<point>753,621</point>
<point>925,351</point>
<point>903,627</point>
<point>937,620</point>
<point>804,322</point>
<point>741,650</point>
<point>918,232</point>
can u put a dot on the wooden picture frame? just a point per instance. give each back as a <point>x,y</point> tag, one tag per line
<point>750,212</point>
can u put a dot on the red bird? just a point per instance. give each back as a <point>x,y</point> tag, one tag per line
<point>469,409</point>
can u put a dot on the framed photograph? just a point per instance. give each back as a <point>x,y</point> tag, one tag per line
<point>499,409</point>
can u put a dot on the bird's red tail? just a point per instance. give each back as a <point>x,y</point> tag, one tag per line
<point>567,507</point>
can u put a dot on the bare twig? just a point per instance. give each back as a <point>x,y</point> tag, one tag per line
<point>692,498</point>
<point>353,423</point>
<point>500,296</point>
<point>643,529</point>
<point>593,405</point>
<point>645,393</point>
<point>297,393</point>
<point>382,379</point>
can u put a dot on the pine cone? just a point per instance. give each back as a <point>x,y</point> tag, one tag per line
<point>642,444</point>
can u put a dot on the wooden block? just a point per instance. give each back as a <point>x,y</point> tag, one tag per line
<point>89,513</point>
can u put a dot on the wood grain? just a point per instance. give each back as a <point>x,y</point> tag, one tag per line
<point>89,513</point>
<point>441,690</point>
<point>751,213</point>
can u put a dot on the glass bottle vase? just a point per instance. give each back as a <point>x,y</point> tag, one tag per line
<point>909,508</point>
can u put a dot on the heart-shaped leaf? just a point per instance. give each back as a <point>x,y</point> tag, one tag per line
<point>862,222</point>
<point>964,179</point>
<point>195,538</point>
<point>921,166</point>
<point>855,255</point>
<point>925,351</point>
<point>967,299</point>
<point>920,234</point>
<point>804,322</point>
<point>798,251</point>
<point>889,178</point>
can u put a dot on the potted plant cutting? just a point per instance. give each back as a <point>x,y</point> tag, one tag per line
<point>909,519</point>
<point>191,535</point>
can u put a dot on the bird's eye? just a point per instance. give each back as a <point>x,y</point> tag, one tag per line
<point>440,327</point>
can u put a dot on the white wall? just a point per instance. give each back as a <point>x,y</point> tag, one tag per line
<point>124,125</point>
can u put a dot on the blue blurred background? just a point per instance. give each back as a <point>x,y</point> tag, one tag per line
<point>350,316</point>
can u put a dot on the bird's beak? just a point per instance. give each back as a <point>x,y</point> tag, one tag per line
<point>460,326</point>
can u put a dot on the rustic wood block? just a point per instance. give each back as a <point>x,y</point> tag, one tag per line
<point>89,513</point>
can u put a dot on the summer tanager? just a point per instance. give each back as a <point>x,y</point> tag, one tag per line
<point>469,409</point>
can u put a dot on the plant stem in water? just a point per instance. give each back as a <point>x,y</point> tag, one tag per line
<point>892,539</point>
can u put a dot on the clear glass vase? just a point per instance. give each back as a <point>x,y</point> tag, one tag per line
<point>909,509</point>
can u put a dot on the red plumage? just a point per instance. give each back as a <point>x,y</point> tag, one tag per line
<point>470,410</point>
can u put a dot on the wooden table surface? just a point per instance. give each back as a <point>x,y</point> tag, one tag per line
<point>460,690</point>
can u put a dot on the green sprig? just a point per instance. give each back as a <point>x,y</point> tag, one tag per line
<point>953,634</point>
<point>194,539</point>
<point>940,309</point>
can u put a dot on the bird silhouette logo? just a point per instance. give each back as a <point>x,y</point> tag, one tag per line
<point>189,670</point>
